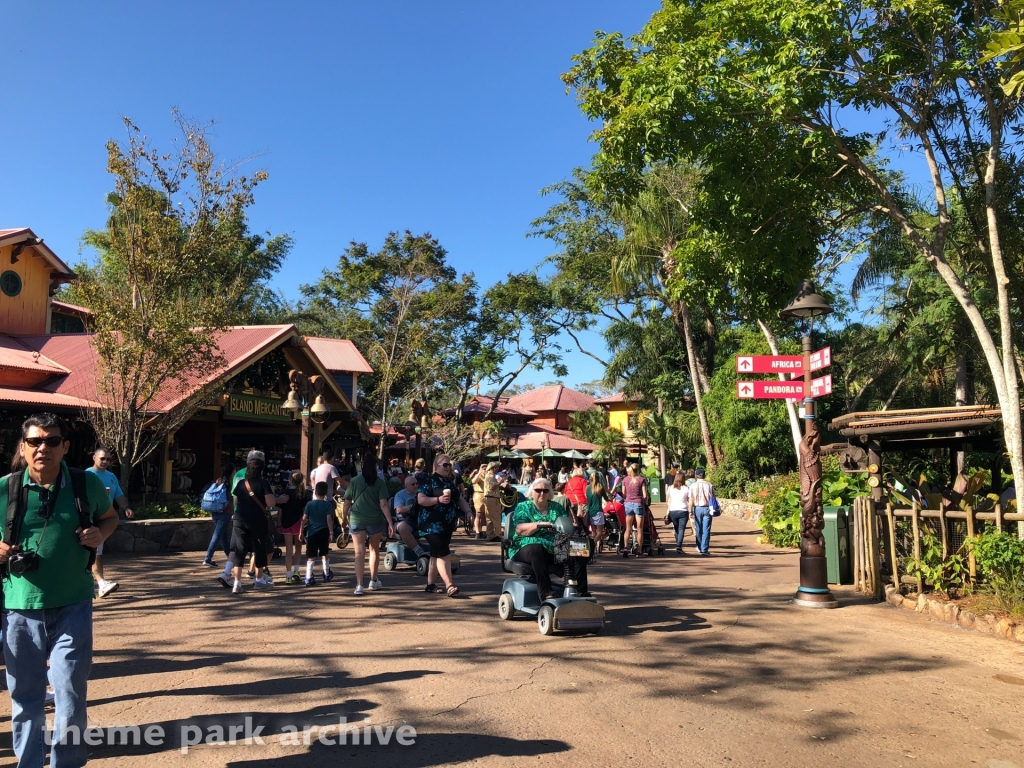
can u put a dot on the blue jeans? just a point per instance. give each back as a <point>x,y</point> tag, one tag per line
<point>679,518</point>
<point>702,528</point>
<point>64,636</point>
<point>221,521</point>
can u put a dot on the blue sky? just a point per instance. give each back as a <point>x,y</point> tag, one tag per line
<point>446,117</point>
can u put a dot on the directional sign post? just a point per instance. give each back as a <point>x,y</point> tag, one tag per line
<point>769,390</point>
<point>769,364</point>
<point>821,387</point>
<point>821,359</point>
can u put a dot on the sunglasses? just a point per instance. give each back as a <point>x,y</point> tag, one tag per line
<point>542,490</point>
<point>53,441</point>
<point>447,466</point>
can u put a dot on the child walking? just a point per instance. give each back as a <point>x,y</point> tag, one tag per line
<point>318,532</point>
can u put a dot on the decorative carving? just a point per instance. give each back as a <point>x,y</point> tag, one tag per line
<point>419,412</point>
<point>812,518</point>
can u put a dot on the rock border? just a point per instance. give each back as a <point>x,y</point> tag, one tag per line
<point>744,510</point>
<point>951,613</point>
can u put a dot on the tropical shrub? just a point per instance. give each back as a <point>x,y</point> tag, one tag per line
<point>1000,560</point>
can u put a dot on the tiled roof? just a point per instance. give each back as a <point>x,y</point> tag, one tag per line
<point>339,355</point>
<point>553,398</point>
<point>618,397</point>
<point>482,404</point>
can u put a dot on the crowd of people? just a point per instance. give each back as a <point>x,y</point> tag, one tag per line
<point>58,518</point>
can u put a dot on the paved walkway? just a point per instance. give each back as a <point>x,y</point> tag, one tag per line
<point>703,663</point>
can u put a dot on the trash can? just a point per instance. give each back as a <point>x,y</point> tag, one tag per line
<point>657,486</point>
<point>837,546</point>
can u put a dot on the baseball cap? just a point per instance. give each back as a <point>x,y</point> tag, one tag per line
<point>698,472</point>
<point>255,455</point>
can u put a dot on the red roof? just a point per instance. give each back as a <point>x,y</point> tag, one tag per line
<point>536,437</point>
<point>16,355</point>
<point>553,398</point>
<point>482,403</point>
<point>339,355</point>
<point>62,307</point>
<point>618,397</point>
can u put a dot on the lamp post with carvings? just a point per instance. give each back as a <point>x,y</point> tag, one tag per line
<point>306,403</point>
<point>813,591</point>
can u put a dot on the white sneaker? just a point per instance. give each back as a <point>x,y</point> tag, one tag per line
<point>107,588</point>
<point>261,584</point>
<point>237,589</point>
<point>359,589</point>
<point>374,584</point>
<point>267,576</point>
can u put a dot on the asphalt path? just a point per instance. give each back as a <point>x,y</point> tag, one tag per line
<point>703,662</point>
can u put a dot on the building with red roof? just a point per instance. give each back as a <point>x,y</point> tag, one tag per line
<point>42,368</point>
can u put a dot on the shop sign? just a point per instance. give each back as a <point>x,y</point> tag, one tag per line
<point>250,407</point>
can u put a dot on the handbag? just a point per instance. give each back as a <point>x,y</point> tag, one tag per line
<point>214,499</point>
<point>714,506</point>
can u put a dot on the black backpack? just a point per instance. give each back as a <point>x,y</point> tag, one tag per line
<point>16,506</point>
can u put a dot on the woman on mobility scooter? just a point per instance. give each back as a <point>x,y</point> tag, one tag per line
<point>533,538</point>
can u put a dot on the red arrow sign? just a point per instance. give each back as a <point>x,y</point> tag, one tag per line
<point>769,390</point>
<point>769,364</point>
<point>822,386</point>
<point>821,359</point>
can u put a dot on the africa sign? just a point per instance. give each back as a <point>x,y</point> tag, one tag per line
<point>769,364</point>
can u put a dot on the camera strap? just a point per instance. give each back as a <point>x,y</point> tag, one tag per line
<point>17,496</point>
<point>17,503</point>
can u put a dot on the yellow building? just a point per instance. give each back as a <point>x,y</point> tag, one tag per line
<point>624,415</point>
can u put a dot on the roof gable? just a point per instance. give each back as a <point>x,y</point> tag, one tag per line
<point>554,398</point>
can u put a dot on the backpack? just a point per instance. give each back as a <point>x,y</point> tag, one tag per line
<point>215,499</point>
<point>16,506</point>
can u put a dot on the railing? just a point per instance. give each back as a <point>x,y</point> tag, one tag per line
<point>875,540</point>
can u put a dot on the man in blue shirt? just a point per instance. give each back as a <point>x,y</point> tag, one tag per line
<point>406,510</point>
<point>101,466</point>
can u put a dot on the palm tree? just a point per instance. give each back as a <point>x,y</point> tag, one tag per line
<point>654,225</point>
<point>608,442</point>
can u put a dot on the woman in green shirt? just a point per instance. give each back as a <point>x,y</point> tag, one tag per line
<point>597,495</point>
<point>368,516</point>
<point>533,536</point>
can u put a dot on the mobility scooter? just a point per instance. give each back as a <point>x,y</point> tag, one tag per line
<point>569,612</point>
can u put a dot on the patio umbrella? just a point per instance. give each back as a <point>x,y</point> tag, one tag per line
<point>574,454</point>
<point>550,453</point>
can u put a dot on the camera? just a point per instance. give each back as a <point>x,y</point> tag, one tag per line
<point>23,562</point>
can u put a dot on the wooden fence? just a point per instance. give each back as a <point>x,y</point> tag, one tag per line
<point>876,559</point>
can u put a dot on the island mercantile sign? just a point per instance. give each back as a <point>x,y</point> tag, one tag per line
<point>251,407</point>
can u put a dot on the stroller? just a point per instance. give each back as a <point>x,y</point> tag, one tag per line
<point>652,542</point>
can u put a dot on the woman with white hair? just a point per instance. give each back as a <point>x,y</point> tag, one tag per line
<point>533,537</point>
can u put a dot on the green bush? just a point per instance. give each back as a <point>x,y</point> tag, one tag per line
<point>167,510</point>
<point>780,519</point>
<point>729,479</point>
<point>1000,559</point>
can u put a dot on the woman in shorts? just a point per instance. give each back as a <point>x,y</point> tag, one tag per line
<point>291,525</point>
<point>597,495</point>
<point>368,515</point>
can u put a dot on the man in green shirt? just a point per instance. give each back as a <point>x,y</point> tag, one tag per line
<point>48,598</point>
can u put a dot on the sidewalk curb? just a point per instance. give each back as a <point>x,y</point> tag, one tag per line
<point>952,614</point>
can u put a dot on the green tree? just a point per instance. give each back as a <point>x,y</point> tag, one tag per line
<point>174,219</point>
<point>394,303</point>
<point>706,75</point>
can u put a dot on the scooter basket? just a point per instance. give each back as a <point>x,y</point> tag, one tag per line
<point>568,547</point>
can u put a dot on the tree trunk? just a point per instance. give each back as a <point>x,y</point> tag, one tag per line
<point>961,399</point>
<point>691,357</point>
<point>794,421</point>
<point>661,447</point>
<point>1010,400</point>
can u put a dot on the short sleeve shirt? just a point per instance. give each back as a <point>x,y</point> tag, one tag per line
<point>405,499</point>
<point>62,578</point>
<point>291,512</point>
<point>326,473</point>
<point>317,512</point>
<point>246,508</point>
<point>527,512</point>
<point>109,481</point>
<point>366,501</point>
<point>439,518</point>
<point>634,489</point>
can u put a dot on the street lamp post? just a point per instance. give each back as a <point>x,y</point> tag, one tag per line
<point>813,591</point>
